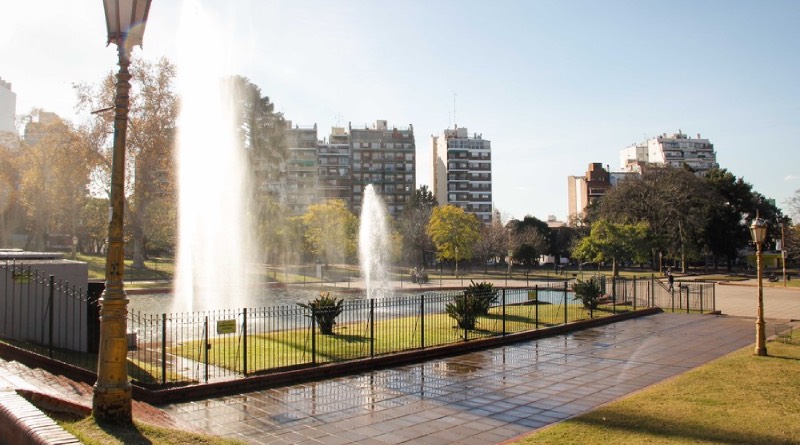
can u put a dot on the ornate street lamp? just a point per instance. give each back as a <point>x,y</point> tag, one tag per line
<point>111,401</point>
<point>758,230</point>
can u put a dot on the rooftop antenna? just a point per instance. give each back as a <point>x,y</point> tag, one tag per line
<point>455,121</point>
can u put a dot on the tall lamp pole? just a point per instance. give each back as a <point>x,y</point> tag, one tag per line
<point>758,230</point>
<point>783,253</point>
<point>111,401</point>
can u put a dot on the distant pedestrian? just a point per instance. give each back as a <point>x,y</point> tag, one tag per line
<point>670,280</point>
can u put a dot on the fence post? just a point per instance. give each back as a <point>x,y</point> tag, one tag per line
<point>372,328</point>
<point>504,312</point>
<point>566,319</point>
<point>206,347</point>
<point>713,297</point>
<point>422,321</point>
<point>244,342</point>
<point>163,349</point>
<point>467,313</point>
<point>52,280</point>
<point>701,298</point>
<point>687,298</point>
<point>613,294</point>
<point>536,308</point>
<point>634,292</point>
<point>313,336</point>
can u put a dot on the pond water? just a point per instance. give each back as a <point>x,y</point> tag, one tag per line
<point>161,303</point>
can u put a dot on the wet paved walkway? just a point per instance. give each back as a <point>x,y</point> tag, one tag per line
<point>479,398</point>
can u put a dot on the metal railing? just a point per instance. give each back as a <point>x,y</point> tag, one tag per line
<point>201,347</point>
<point>38,309</point>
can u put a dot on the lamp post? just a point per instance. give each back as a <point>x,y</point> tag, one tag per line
<point>111,401</point>
<point>758,230</point>
<point>783,253</point>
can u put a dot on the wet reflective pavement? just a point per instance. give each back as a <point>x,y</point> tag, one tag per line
<point>478,398</point>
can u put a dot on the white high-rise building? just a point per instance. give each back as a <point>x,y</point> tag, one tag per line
<point>8,107</point>
<point>8,110</point>
<point>674,150</point>
<point>462,172</point>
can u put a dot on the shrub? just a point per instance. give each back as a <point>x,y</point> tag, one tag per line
<point>485,293</point>
<point>588,292</point>
<point>476,301</point>
<point>325,310</point>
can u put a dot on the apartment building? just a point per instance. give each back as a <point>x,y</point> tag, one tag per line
<point>301,168</point>
<point>334,179</point>
<point>462,172</point>
<point>8,107</point>
<point>584,189</point>
<point>675,150</point>
<point>385,157</point>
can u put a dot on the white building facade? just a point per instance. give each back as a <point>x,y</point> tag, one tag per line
<point>8,107</point>
<point>675,150</point>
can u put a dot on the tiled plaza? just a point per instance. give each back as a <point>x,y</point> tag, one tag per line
<point>478,398</point>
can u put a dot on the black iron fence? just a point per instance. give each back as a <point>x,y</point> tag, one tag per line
<point>200,347</point>
<point>37,308</point>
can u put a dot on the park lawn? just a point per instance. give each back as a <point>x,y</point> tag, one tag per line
<point>293,347</point>
<point>90,432</point>
<point>155,268</point>
<point>739,398</point>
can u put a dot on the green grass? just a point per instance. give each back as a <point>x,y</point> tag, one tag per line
<point>90,432</point>
<point>354,340</point>
<point>155,268</point>
<point>740,398</point>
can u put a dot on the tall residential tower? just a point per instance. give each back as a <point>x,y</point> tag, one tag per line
<point>462,172</point>
<point>384,157</point>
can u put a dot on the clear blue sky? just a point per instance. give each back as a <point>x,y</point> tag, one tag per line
<point>554,85</point>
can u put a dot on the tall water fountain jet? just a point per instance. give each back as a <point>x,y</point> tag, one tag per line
<point>374,246</point>
<point>214,187</point>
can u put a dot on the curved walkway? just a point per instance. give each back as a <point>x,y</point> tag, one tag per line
<point>478,398</point>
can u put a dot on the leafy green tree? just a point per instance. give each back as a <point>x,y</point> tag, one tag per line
<point>614,242</point>
<point>412,225</point>
<point>454,233</point>
<point>262,133</point>
<point>529,239</point>
<point>330,231</point>
<point>725,232</point>
<point>262,130</point>
<point>674,202</point>
<point>791,238</point>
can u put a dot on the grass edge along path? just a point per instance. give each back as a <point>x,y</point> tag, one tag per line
<point>90,432</point>
<point>739,398</point>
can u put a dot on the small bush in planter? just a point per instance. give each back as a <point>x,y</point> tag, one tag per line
<point>588,292</point>
<point>325,310</point>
